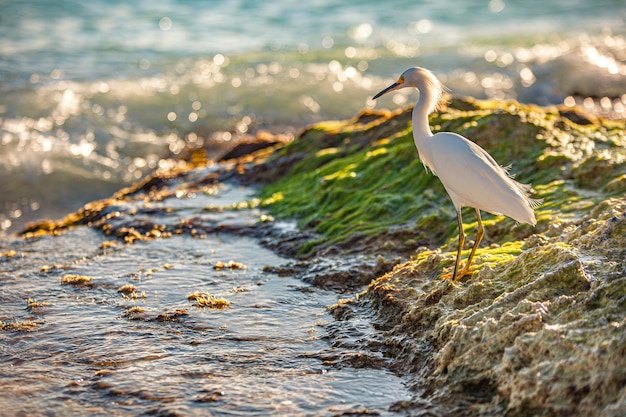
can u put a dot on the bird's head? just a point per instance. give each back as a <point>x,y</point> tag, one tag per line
<point>420,78</point>
<point>407,79</point>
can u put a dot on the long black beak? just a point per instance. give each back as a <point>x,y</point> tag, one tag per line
<point>388,89</point>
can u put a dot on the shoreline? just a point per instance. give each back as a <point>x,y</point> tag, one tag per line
<point>538,329</point>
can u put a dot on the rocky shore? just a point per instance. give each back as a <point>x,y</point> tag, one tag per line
<point>538,329</point>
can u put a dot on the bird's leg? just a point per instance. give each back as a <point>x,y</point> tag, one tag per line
<point>480,232</point>
<point>459,249</point>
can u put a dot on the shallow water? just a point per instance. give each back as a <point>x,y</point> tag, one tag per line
<point>89,353</point>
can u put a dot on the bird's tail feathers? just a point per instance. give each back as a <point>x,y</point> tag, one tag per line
<point>534,202</point>
<point>526,190</point>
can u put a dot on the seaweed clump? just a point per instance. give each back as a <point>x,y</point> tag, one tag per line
<point>76,279</point>
<point>18,326</point>
<point>204,299</point>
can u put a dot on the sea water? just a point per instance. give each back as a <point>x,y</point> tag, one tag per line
<point>95,95</point>
<point>133,339</point>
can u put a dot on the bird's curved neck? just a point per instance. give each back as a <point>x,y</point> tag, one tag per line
<point>423,107</point>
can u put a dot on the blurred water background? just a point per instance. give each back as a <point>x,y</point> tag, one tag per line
<point>94,95</point>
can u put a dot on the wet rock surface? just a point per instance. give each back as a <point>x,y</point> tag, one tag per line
<point>543,334</point>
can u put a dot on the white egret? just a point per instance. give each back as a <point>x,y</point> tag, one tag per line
<point>469,174</point>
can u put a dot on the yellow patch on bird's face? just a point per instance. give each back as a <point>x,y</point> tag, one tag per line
<point>401,80</point>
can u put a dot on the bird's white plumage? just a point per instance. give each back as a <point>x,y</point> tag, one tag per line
<point>473,178</point>
<point>469,174</point>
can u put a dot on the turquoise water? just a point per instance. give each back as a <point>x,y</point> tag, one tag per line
<point>94,95</point>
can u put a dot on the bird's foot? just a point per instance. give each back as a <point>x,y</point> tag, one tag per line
<point>459,275</point>
<point>446,276</point>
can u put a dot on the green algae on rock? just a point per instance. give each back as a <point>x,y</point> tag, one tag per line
<point>362,178</point>
<point>539,329</point>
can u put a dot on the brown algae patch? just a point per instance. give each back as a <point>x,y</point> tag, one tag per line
<point>130,291</point>
<point>127,289</point>
<point>232,265</point>
<point>109,244</point>
<point>34,305</point>
<point>11,253</point>
<point>134,313</point>
<point>204,299</point>
<point>47,268</point>
<point>18,326</point>
<point>75,279</point>
<point>176,315</point>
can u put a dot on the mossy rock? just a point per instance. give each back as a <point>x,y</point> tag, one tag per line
<point>362,177</point>
<point>542,333</point>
